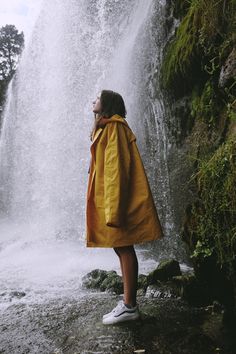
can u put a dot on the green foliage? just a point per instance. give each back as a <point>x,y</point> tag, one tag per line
<point>181,52</point>
<point>192,65</point>
<point>181,7</point>
<point>200,45</point>
<point>202,250</point>
<point>11,45</point>
<point>3,86</point>
<point>206,105</point>
<point>230,93</point>
<point>231,112</point>
<point>214,215</point>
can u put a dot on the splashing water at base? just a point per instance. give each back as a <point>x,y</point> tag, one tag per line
<point>39,266</point>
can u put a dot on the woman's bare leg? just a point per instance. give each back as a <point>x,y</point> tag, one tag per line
<point>121,266</point>
<point>129,269</point>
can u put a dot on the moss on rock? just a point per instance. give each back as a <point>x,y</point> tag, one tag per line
<point>199,67</point>
<point>201,43</point>
<point>180,7</point>
<point>165,270</point>
<point>213,223</point>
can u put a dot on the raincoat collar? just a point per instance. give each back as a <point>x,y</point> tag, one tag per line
<point>104,121</point>
<point>116,118</point>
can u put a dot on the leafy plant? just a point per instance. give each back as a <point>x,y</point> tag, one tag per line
<point>215,226</point>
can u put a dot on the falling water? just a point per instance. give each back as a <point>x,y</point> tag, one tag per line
<point>77,48</point>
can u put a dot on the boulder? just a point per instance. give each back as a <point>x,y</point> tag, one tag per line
<point>17,294</point>
<point>103,280</point>
<point>94,279</point>
<point>112,283</point>
<point>165,271</point>
<point>142,282</point>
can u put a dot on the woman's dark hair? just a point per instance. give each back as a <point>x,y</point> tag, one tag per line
<point>112,103</point>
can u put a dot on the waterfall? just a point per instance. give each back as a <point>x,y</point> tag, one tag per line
<point>77,48</point>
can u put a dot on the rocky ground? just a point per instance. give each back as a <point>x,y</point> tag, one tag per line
<point>74,326</point>
<point>72,323</point>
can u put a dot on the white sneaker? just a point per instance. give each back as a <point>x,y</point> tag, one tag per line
<point>121,313</point>
<point>119,304</point>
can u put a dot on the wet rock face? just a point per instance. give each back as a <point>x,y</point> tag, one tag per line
<point>228,71</point>
<point>179,124</point>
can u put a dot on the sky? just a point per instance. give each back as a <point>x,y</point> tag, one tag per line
<point>21,13</point>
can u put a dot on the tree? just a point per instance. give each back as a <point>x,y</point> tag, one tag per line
<point>11,46</point>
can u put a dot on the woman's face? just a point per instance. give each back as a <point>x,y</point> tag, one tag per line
<point>97,104</point>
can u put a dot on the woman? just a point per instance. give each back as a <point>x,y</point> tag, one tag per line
<point>120,207</point>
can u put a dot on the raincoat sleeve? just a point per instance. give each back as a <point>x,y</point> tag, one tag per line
<point>116,175</point>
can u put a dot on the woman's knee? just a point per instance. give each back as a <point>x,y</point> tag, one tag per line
<point>124,250</point>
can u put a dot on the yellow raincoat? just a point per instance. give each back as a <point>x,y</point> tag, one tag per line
<point>120,209</point>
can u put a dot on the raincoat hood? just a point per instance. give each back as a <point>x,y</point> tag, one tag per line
<point>115,118</point>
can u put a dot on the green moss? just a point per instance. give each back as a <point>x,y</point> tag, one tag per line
<point>180,7</point>
<point>231,102</point>
<point>192,64</point>
<point>206,105</point>
<point>201,43</point>
<point>214,215</point>
<point>181,52</point>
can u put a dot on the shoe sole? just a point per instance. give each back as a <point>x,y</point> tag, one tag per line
<point>107,315</point>
<point>116,320</point>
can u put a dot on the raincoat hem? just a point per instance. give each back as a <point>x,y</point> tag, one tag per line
<point>124,244</point>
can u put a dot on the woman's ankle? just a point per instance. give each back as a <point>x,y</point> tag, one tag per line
<point>130,304</point>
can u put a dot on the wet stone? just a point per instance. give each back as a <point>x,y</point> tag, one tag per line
<point>228,70</point>
<point>160,292</point>
<point>166,326</point>
<point>17,294</point>
<point>103,280</point>
<point>112,283</point>
<point>94,279</point>
<point>142,281</point>
<point>165,271</point>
